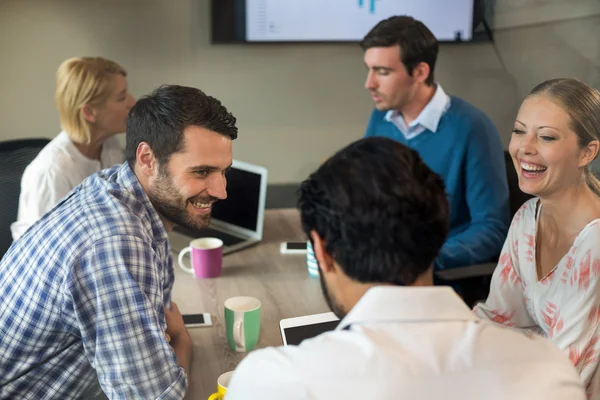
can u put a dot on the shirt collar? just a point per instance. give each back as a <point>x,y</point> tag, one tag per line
<point>408,304</point>
<point>430,116</point>
<point>127,179</point>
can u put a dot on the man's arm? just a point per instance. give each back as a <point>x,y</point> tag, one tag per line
<point>116,295</point>
<point>179,337</point>
<point>487,199</point>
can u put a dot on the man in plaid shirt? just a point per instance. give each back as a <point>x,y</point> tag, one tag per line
<point>86,291</point>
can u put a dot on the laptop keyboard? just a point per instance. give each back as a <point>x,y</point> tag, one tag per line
<point>228,240</point>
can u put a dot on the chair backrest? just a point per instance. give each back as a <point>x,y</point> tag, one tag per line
<point>516,196</point>
<point>15,155</point>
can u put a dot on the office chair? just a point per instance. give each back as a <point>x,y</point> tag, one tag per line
<point>474,280</point>
<point>15,155</point>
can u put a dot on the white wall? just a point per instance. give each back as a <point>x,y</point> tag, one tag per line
<point>295,104</point>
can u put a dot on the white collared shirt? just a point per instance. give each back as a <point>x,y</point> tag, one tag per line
<point>429,118</point>
<point>410,343</point>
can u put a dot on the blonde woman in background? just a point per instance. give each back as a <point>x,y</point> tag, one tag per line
<point>548,277</point>
<point>93,102</point>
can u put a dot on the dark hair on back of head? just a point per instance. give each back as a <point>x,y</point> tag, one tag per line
<point>382,213</point>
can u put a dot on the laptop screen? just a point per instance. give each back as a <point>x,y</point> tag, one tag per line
<point>240,208</point>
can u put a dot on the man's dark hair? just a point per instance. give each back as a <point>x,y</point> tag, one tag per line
<point>160,118</point>
<point>417,43</point>
<point>382,213</point>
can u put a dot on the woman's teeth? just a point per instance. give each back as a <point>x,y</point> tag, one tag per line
<point>532,167</point>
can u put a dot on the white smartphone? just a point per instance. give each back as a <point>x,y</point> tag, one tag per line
<point>197,320</point>
<point>293,247</point>
<point>295,330</point>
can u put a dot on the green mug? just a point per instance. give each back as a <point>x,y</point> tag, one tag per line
<point>242,322</point>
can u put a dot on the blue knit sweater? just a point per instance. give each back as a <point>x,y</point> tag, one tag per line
<point>467,153</point>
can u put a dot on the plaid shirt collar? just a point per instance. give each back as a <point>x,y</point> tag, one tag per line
<point>126,178</point>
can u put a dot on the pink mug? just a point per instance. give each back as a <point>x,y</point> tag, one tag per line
<point>206,256</point>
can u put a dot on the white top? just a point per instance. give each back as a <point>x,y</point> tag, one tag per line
<point>429,118</point>
<point>563,306</point>
<point>410,343</point>
<point>56,170</point>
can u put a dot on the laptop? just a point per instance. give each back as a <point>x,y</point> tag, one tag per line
<point>237,220</point>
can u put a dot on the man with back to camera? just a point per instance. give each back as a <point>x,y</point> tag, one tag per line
<point>455,139</point>
<point>86,291</point>
<point>377,217</point>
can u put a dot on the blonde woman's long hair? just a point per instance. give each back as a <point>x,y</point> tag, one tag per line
<point>83,81</point>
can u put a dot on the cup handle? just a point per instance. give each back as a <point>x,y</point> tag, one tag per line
<point>215,396</point>
<point>238,333</point>
<point>180,260</point>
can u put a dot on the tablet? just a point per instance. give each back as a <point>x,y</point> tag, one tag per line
<point>295,330</point>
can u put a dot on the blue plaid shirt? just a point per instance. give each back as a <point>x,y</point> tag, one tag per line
<point>82,294</point>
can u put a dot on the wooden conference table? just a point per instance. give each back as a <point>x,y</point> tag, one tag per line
<point>281,282</point>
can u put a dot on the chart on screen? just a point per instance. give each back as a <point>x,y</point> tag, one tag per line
<point>350,20</point>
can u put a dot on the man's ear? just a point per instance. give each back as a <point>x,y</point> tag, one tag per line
<point>89,113</point>
<point>421,72</point>
<point>325,260</point>
<point>144,158</point>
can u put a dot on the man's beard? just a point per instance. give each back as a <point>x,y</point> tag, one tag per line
<point>169,203</point>
<point>334,306</point>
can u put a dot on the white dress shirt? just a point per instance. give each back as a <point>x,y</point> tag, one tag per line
<point>429,118</point>
<point>410,343</point>
<point>56,170</point>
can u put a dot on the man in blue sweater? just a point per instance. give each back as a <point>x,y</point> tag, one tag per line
<point>455,139</point>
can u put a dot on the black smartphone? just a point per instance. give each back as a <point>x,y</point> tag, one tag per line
<point>293,247</point>
<point>197,320</point>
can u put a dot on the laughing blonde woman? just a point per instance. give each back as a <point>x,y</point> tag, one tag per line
<point>548,278</point>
